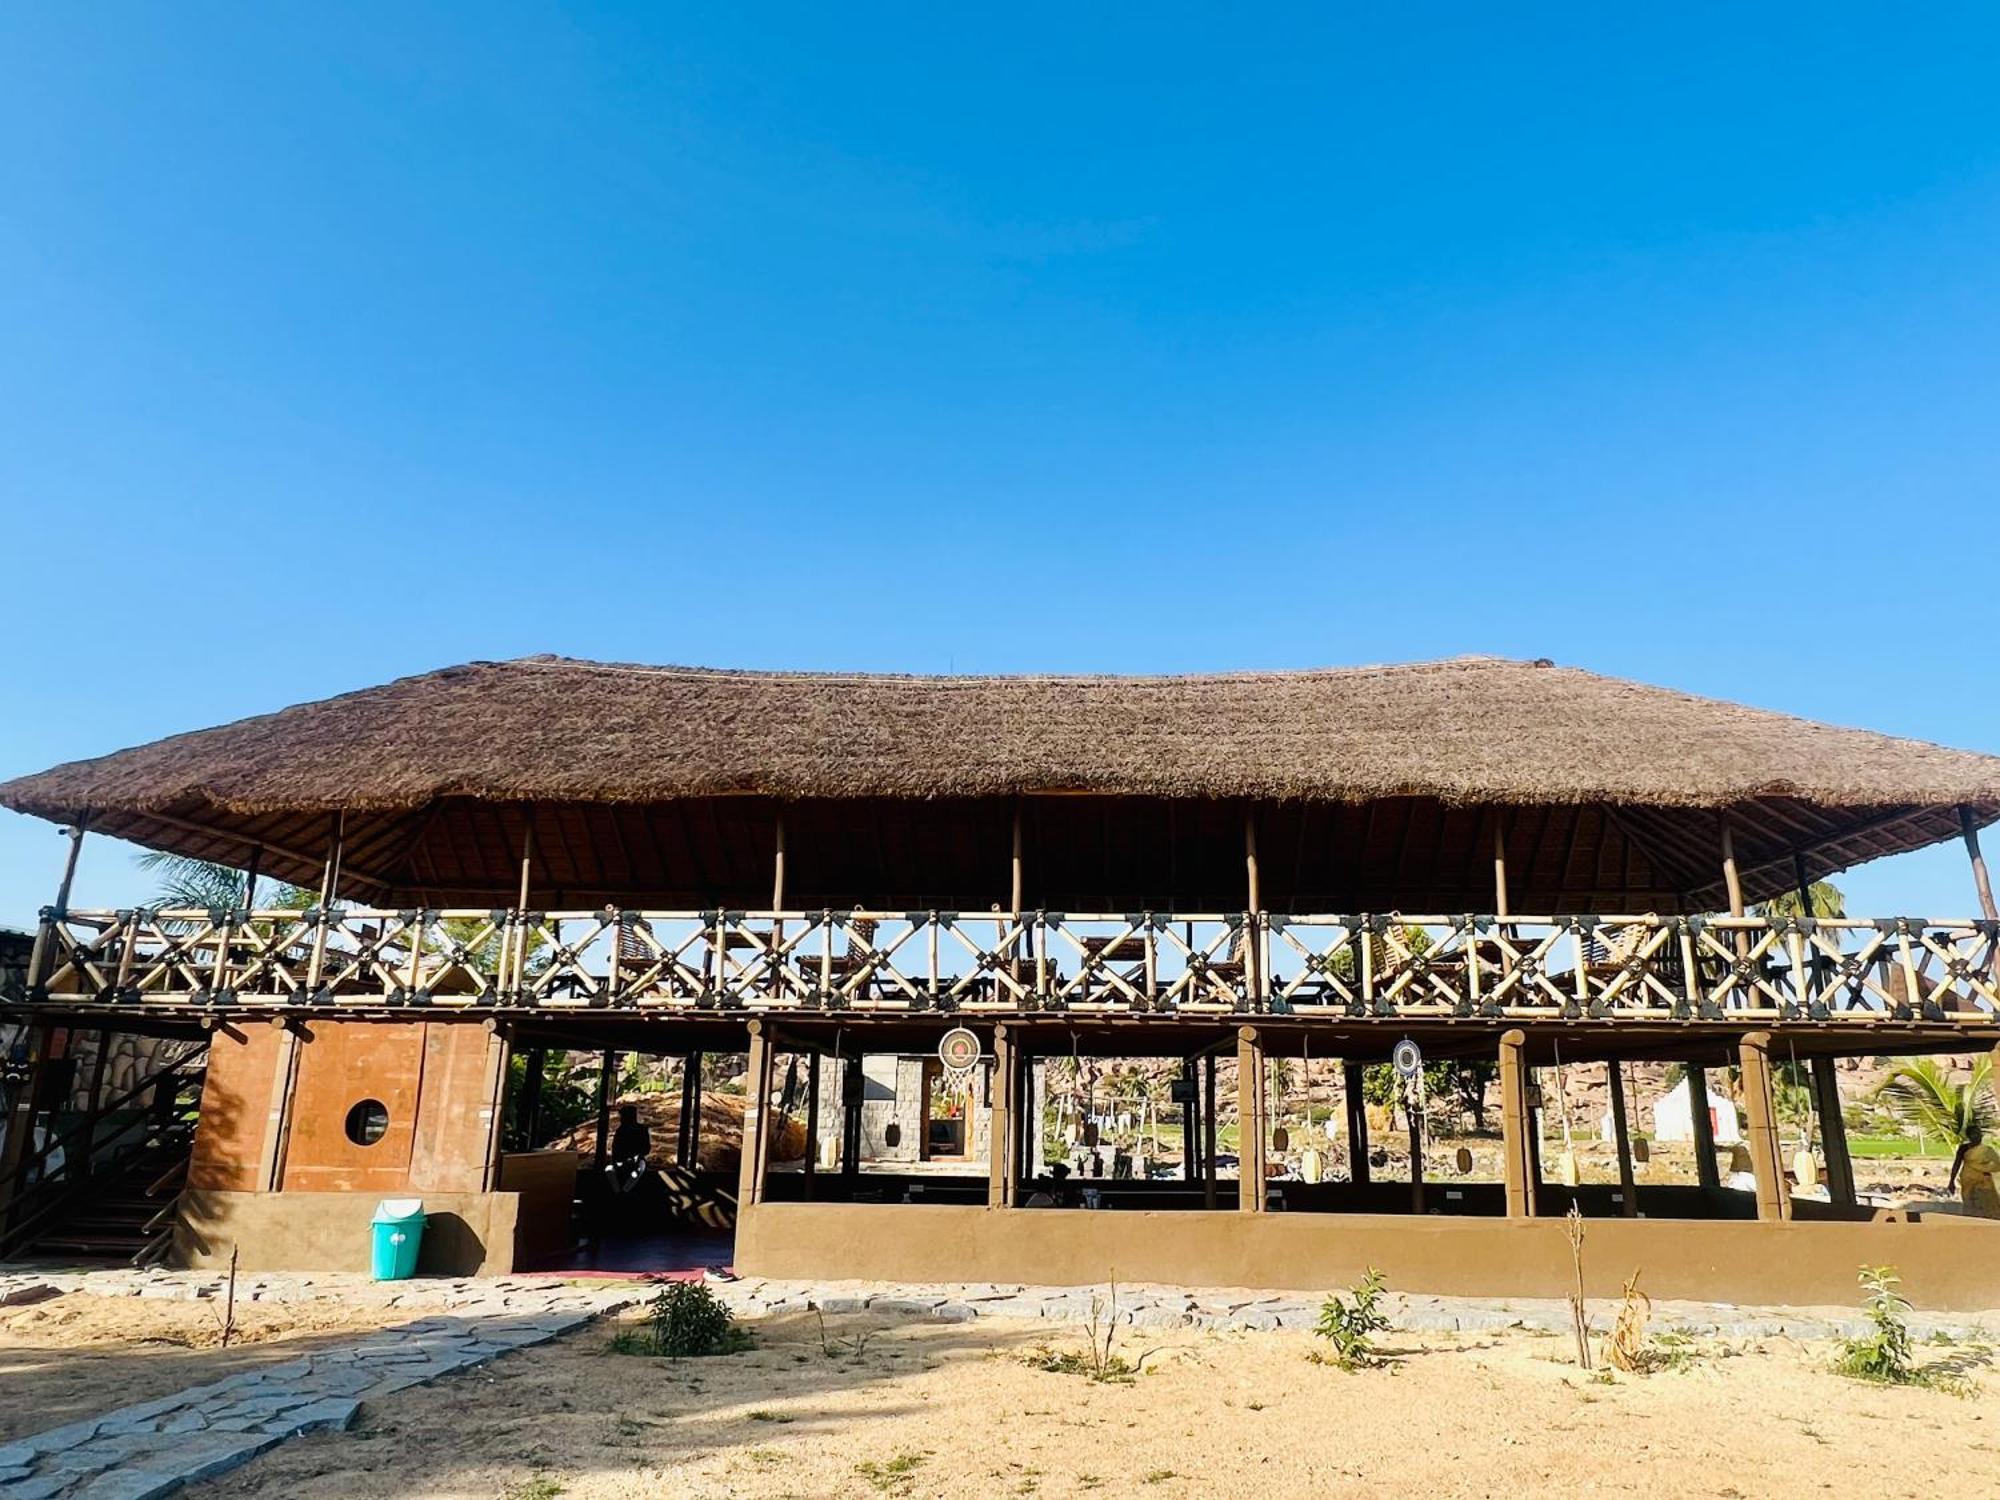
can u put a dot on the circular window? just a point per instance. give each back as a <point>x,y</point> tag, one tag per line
<point>367,1122</point>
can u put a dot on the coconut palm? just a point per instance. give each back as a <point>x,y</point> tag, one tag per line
<point>1926,1100</point>
<point>207,886</point>
<point>1827,901</point>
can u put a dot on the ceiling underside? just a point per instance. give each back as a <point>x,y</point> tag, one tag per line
<point>1079,853</point>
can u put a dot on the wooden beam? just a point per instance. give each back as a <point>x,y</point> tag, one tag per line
<point>1000,1124</point>
<point>269,848</point>
<point>1833,1131</point>
<point>1249,1120</point>
<point>1516,1127</point>
<point>1628,1182</point>
<point>756,1100</point>
<point>1731,881</point>
<point>1352,1076</point>
<point>1500,907</point>
<point>1703,1126</point>
<point>1774,1198</point>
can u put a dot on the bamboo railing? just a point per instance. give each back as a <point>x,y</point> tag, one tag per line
<point>1577,968</point>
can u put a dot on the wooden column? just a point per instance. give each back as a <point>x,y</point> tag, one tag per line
<point>1208,1123</point>
<point>1253,975</point>
<point>1249,1120</point>
<point>1774,1199</point>
<point>1354,1097</point>
<point>687,1141</point>
<point>1705,1170</point>
<point>531,1096</point>
<point>1981,881</point>
<point>1416,1122</point>
<point>606,1067</point>
<point>1190,1121</point>
<point>812,1123</point>
<point>42,954</point>
<point>1833,1132</point>
<point>1628,1182</point>
<point>1015,869</point>
<point>513,979</point>
<point>1501,908</point>
<point>277,1119</point>
<point>499,1053</point>
<point>1000,1124</point>
<point>756,1100</point>
<point>1517,1125</point>
<point>853,1086</point>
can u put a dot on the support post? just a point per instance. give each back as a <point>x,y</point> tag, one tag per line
<point>1501,907</point>
<point>278,1120</point>
<point>853,1087</point>
<point>1516,1127</point>
<point>531,1097</point>
<point>1416,1123</point>
<point>1253,976</point>
<point>1000,1152</point>
<point>1208,1132</point>
<point>1833,1132</point>
<point>756,1099</point>
<point>40,955</point>
<point>1249,1120</point>
<point>687,1137</point>
<point>14,1145</point>
<point>1703,1126</point>
<point>812,1123</point>
<point>1982,882</point>
<point>1628,1182</point>
<point>1774,1198</point>
<point>499,1054</point>
<point>1353,1096</point>
<point>1015,868</point>
<point>606,1067</point>
<point>1190,1121</point>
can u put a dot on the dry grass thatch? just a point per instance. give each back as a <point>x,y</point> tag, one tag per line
<point>1470,730</point>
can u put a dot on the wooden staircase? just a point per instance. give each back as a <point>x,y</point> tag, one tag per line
<point>117,1196</point>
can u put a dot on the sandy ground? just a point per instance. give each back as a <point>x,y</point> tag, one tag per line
<point>73,1356</point>
<point>929,1409</point>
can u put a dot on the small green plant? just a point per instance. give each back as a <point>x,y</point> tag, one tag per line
<point>769,1416</point>
<point>541,1487</point>
<point>894,1474</point>
<point>1350,1323</point>
<point>1883,1354</point>
<point>685,1321</point>
<point>1097,1361</point>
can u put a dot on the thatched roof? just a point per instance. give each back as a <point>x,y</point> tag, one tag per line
<point>1468,733</point>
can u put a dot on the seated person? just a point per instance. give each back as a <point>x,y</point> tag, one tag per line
<point>631,1144</point>
<point>1050,1194</point>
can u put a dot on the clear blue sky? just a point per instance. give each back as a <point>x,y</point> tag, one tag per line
<point>338,342</point>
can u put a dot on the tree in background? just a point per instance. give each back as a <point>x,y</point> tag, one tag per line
<point>1827,901</point>
<point>206,886</point>
<point>1925,1100</point>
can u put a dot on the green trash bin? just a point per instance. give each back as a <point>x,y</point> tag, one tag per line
<point>399,1234</point>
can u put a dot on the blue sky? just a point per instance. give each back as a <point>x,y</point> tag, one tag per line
<point>343,342</point>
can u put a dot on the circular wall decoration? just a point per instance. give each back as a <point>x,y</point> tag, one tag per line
<point>367,1122</point>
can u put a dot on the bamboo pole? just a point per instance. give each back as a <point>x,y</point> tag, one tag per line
<point>1252,956</point>
<point>1208,1127</point>
<point>329,882</point>
<point>757,1095</point>
<point>1982,883</point>
<point>1501,906</point>
<point>812,1122</point>
<point>38,957</point>
<point>520,946</point>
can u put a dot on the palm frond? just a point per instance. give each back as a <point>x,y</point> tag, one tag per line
<point>1925,1099</point>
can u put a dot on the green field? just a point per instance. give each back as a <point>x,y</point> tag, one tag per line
<point>1896,1145</point>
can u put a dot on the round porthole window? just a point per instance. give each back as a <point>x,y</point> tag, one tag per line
<point>367,1122</point>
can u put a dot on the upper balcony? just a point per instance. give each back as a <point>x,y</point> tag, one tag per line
<point>1357,968</point>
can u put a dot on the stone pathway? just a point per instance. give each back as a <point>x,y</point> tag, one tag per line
<point>138,1452</point>
<point>1245,1310</point>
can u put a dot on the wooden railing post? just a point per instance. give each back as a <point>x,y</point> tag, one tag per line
<point>1833,1132</point>
<point>756,1102</point>
<point>1702,1124</point>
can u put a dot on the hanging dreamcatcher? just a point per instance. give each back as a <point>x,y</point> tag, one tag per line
<point>959,1054</point>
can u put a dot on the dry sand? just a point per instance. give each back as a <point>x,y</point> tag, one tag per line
<point>954,1410</point>
<point>74,1356</point>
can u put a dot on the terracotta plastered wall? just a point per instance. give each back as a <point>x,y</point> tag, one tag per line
<point>431,1080</point>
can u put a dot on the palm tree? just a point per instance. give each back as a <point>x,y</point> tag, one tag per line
<point>206,886</point>
<point>1827,901</point>
<point>1928,1101</point>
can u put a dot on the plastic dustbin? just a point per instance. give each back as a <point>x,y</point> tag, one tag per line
<point>399,1234</point>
